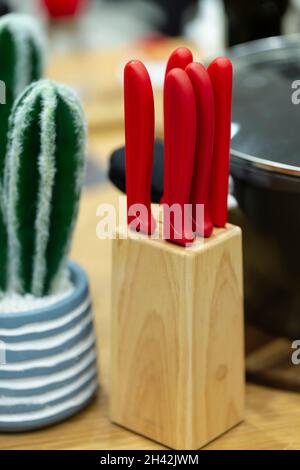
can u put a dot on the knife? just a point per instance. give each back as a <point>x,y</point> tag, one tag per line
<point>180,140</point>
<point>179,58</point>
<point>139,142</point>
<point>220,72</point>
<point>204,147</point>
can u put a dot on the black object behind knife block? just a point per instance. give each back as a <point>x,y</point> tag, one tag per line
<point>117,171</point>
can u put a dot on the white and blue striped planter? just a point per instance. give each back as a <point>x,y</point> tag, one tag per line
<point>50,370</point>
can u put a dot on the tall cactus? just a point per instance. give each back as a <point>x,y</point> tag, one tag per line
<point>21,57</point>
<point>43,173</point>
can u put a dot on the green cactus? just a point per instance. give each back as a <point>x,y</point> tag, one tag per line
<point>21,56</point>
<point>43,179</point>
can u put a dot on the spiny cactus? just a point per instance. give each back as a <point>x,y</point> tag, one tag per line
<point>21,57</point>
<point>43,174</point>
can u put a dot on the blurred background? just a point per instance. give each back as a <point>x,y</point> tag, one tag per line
<point>91,40</point>
<point>212,23</point>
<point>209,23</point>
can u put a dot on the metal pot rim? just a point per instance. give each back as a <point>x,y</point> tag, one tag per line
<point>275,44</point>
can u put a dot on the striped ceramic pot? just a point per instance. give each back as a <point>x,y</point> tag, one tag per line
<point>48,360</point>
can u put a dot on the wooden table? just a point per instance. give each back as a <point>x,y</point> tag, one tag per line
<point>272,418</point>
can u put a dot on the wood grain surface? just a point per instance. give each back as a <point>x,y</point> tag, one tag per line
<point>177,365</point>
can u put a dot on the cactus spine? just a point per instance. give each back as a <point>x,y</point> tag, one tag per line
<point>43,173</point>
<point>21,53</point>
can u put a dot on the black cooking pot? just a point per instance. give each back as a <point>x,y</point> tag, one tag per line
<point>265,165</point>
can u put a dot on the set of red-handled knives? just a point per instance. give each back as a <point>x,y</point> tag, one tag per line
<point>197,127</point>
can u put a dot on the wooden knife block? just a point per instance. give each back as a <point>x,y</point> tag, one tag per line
<point>178,338</point>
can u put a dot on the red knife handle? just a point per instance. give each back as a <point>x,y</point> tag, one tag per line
<point>139,142</point>
<point>180,139</point>
<point>204,147</point>
<point>220,72</point>
<point>180,58</point>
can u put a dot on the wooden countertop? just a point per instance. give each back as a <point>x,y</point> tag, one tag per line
<point>272,418</point>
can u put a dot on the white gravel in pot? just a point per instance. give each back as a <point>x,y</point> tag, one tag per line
<point>11,302</point>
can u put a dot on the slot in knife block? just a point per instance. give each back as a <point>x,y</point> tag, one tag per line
<point>178,338</point>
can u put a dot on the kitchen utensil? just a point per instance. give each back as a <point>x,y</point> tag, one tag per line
<point>139,138</point>
<point>204,145</point>
<point>220,72</point>
<point>180,58</point>
<point>180,139</point>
